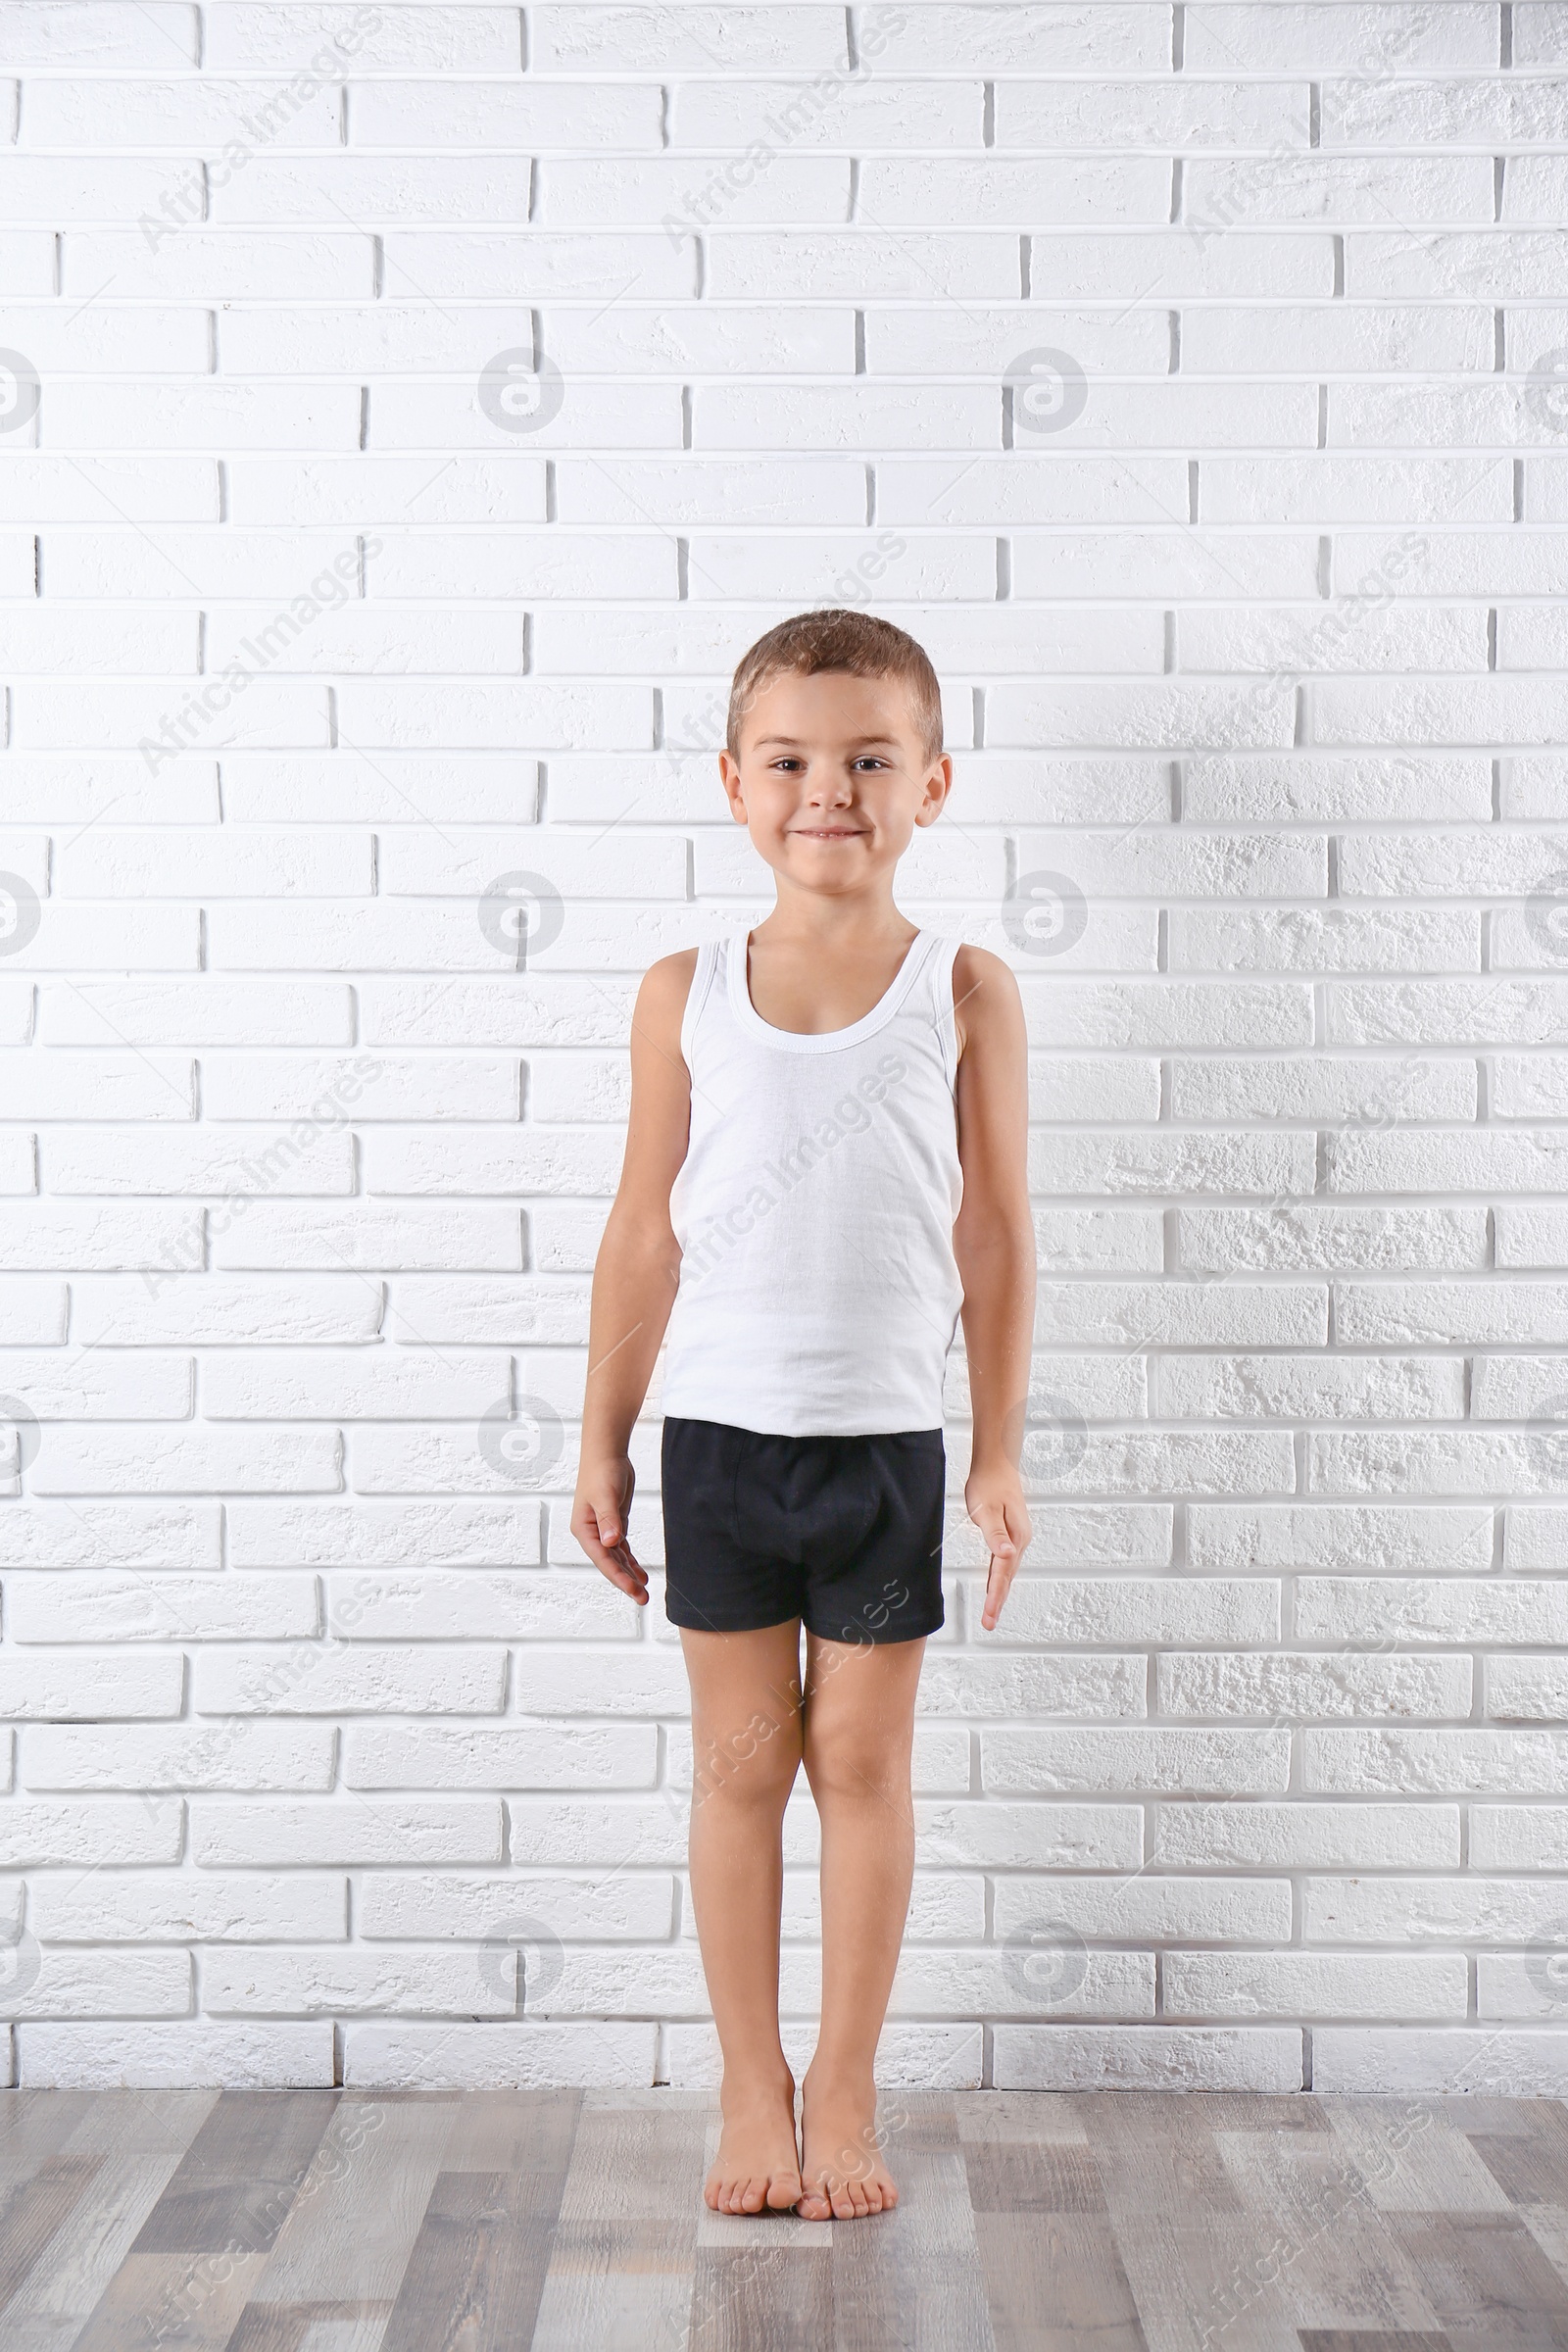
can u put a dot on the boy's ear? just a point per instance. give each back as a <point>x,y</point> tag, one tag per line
<point>938,785</point>
<point>729,775</point>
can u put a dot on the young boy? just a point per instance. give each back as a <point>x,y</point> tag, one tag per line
<point>824,1167</point>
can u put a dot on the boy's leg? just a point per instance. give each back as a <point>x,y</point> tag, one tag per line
<point>858,1733</point>
<point>746,1732</point>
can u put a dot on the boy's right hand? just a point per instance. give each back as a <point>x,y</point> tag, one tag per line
<point>600,1511</point>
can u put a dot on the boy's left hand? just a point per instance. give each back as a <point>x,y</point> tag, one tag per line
<point>993,1500</point>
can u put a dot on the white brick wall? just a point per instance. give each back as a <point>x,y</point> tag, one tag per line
<point>1250,628</point>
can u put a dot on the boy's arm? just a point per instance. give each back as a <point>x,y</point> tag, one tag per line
<point>635,1273</point>
<point>993,1243</point>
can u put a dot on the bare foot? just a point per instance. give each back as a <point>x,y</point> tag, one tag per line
<point>842,2166</point>
<point>757,2165</point>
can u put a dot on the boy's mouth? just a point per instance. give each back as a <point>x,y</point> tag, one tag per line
<point>828,832</point>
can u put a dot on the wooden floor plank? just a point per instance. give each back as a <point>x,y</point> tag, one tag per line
<point>310,2327</point>
<point>1489,2286</point>
<point>1013,2177</point>
<point>624,2258</point>
<point>1339,2339</point>
<point>622,2285</point>
<point>1168,2164</point>
<point>75,2268</point>
<point>911,2279</point>
<point>33,2210</point>
<point>1047,2116</point>
<point>760,2299</point>
<point>1054,2284</point>
<point>180,2302</point>
<point>354,2219</point>
<point>513,2132</point>
<point>1431,2169</point>
<point>139,2122</point>
<point>479,2264</point>
<point>34,2125</point>
<point>240,2176</point>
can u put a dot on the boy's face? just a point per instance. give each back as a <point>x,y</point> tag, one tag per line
<point>833,778</point>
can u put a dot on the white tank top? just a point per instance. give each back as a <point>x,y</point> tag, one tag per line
<point>818,1289</point>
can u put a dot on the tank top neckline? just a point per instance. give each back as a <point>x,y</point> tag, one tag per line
<point>822,1041</point>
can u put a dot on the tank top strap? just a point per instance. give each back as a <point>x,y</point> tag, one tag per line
<point>710,962</point>
<point>933,996</point>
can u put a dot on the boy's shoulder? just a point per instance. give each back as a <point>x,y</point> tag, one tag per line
<point>662,996</point>
<point>672,972</point>
<point>984,992</point>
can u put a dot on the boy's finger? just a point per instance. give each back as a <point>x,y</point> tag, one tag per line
<point>999,1583</point>
<point>991,1521</point>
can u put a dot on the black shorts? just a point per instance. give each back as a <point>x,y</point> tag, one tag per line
<point>844,1532</point>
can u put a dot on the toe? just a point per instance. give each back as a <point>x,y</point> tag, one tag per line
<point>752,2196</point>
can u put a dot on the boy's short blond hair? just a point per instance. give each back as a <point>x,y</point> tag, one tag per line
<point>856,643</point>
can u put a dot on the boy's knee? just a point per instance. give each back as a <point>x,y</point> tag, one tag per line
<point>753,1763</point>
<point>844,1765</point>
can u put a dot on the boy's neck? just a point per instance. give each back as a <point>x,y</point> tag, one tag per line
<point>835,922</point>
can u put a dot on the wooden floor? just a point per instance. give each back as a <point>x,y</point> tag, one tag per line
<point>343,2221</point>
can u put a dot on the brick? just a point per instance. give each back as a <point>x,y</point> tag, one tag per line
<point>500,2056</point>
<point>517,1756</point>
<point>234,2057</point>
<point>77,1686</point>
<point>103,1607</point>
<point>335,1679</point>
<point>82,1832</point>
<point>278,1983</point>
<point>474,1908</point>
<point>1327,1986</point>
<point>237,1757</point>
<point>255,35</point>
<point>1311,1835</point>
<point>1085,2058</point>
<point>185,1906</point>
<point>358,1830</point>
